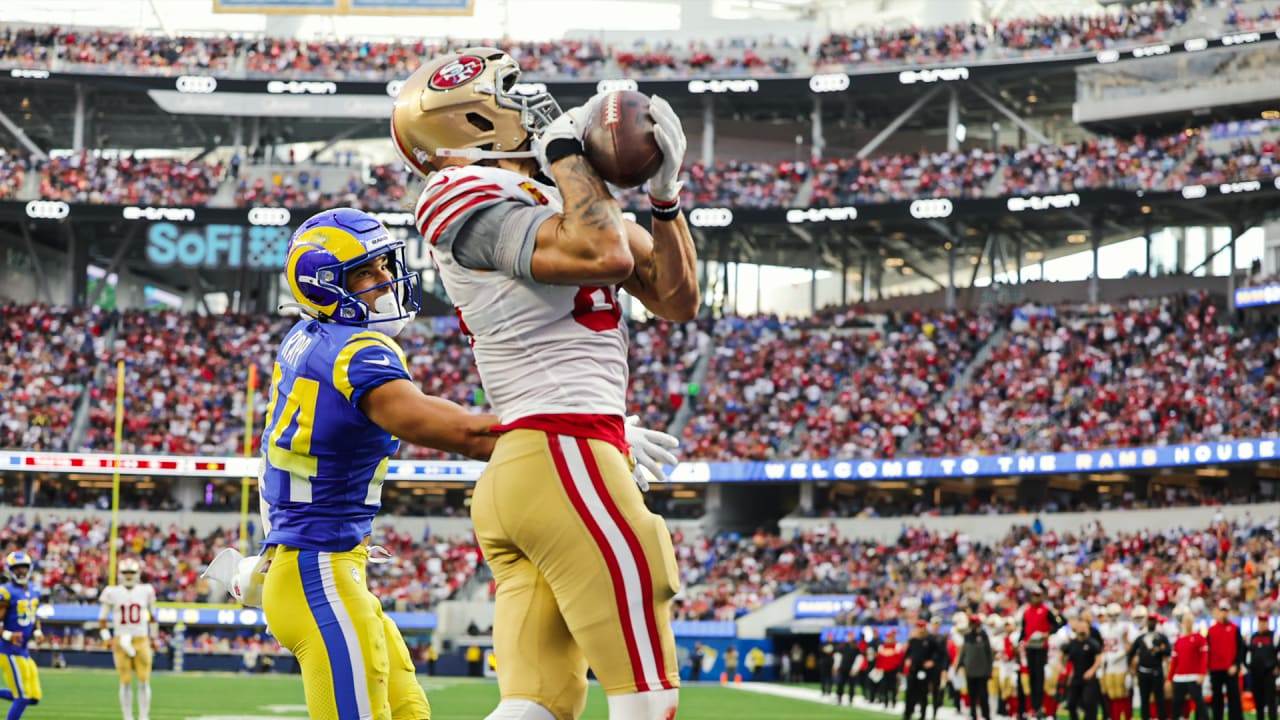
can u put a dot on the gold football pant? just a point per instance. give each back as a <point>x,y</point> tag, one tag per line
<point>585,573</point>
<point>1113,686</point>
<point>21,679</point>
<point>354,662</point>
<point>139,665</point>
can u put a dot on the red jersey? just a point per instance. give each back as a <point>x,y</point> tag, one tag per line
<point>1225,647</point>
<point>890,657</point>
<point>1190,658</point>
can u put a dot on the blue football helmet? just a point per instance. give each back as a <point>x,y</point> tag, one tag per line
<point>332,243</point>
<point>18,561</point>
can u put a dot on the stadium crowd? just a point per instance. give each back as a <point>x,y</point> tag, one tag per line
<point>727,574</point>
<point>846,383</point>
<point>72,560</point>
<point>1139,163</point>
<point>1002,38</point>
<point>117,51</point>
<point>179,366</point>
<point>1151,372</point>
<point>48,357</point>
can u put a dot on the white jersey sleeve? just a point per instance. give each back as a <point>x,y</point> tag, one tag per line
<point>541,350</point>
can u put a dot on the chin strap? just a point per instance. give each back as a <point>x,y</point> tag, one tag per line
<point>303,309</point>
<point>478,154</point>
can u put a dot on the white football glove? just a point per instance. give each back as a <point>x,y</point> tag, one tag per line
<point>239,575</point>
<point>651,450</point>
<point>126,644</point>
<point>105,634</point>
<point>571,124</point>
<point>668,132</point>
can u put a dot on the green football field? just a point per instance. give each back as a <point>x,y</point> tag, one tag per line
<point>75,694</point>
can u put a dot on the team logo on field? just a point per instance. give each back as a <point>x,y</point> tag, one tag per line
<point>457,73</point>
<point>535,192</point>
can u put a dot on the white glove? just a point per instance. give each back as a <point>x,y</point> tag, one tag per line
<point>239,575</point>
<point>126,644</point>
<point>37,635</point>
<point>668,132</point>
<point>571,124</point>
<point>651,450</point>
<point>105,634</point>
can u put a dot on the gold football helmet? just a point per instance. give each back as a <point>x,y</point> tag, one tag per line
<point>465,105</point>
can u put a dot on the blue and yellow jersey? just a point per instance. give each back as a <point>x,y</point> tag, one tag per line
<point>20,617</point>
<point>325,460</point>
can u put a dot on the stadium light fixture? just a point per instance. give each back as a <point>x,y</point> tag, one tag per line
<point>1266,114</point>
<point>894,262</point>
<point>1146,209</point>
<point>1034,255</point>
<point>1077,238</point>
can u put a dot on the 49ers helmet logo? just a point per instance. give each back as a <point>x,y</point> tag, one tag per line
<point>459,72</point>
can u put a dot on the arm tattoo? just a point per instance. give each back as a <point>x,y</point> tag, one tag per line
<point>586,199</point>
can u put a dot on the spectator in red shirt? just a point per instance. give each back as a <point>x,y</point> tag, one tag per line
<point>1226,655</point>
<point>1187,667</point>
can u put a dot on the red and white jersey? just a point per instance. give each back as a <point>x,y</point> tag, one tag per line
<point>1116,639</point>
<point>540,349</point>
<point>130,608</point>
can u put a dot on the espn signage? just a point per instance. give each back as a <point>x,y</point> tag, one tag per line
<point>220,246</point>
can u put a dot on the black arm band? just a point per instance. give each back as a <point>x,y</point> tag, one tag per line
<point>562,148</point>
<point>664,211</point>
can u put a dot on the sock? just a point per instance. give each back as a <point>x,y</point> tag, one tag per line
<point>144,700</point>
<point>520,710</point>
<point>17,708</point>
<point>126,701</point>
<point>651,705</point>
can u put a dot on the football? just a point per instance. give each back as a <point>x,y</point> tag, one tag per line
<point>619,139</point>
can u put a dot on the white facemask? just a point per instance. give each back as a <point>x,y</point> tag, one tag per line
<point>385,314</point>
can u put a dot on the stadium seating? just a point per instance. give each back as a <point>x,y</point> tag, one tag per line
<point>727,575</point>
<point>1152,373</point>
<point>1140,163</point>
<point>13,172</point>
<point>113,51</point>
<point>72,561</point>
<point>48,360</point>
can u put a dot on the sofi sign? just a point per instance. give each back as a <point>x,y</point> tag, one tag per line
<point>218,246</point>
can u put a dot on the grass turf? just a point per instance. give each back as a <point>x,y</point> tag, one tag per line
<point>77,694</point>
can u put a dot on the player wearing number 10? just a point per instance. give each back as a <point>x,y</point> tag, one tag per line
<point>130,607</point>
<point>340,398</point>
<point>585,573</point>
<point>18,606</point>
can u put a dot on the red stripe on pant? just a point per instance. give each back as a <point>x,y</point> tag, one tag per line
<point>637,552</point>
<point>602,542</point>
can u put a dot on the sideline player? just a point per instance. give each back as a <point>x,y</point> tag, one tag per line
<point>18,605</point>
<point>585,573</point>
<point>131,609</point>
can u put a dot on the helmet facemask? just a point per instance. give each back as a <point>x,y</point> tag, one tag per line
<point>390,312</point>
<point>20,574</point>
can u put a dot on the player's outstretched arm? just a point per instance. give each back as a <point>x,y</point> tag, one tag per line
<point>400,408</point>
<point>586,244</point>
<point>665,279</point>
